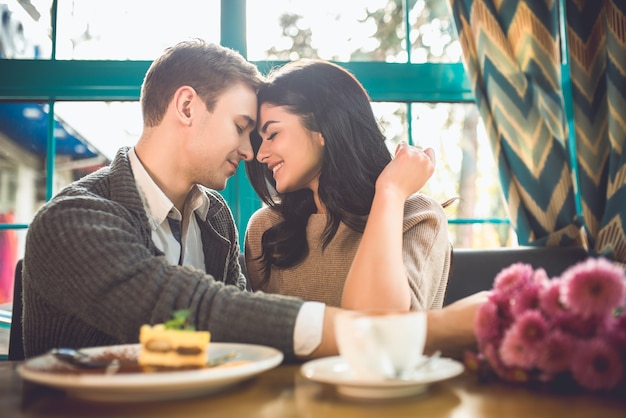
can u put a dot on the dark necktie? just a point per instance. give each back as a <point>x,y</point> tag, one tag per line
<point>177,231</point>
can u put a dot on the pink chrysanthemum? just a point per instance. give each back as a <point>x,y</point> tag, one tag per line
<point>579,326</point>
<point>503,302</point>
<point>511,374</point>
<point>513,351</point>
<point>540,277</point>
<point>616,332</point>
<point>490,351</point>
<point>487,323</point>
<point>523,342</point>
<point>593,287</point>
<point>557,353</point>
<point>533,328</point>
<point>513,278</point>
<point>597,365</point>
<point>550,299</point>
<point>527,299</point>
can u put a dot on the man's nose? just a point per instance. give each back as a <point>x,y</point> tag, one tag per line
<point>246,151</point>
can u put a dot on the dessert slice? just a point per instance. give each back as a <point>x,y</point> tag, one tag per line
<point>173,345</point>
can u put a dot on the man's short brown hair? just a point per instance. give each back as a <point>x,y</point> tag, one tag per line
<point>208,68</point>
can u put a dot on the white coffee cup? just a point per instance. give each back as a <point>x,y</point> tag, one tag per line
<point>380,344</point>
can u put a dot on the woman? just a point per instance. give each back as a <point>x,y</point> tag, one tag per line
<point>344,223</point>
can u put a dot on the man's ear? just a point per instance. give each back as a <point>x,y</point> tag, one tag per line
<point>183,99</point>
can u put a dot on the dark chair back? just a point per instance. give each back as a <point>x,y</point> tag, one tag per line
<point>16,342</point>
<point>473,270</point>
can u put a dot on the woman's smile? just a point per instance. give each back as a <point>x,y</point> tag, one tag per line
<point>277,167</point>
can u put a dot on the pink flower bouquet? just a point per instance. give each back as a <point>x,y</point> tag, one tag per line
<point>568,328</point>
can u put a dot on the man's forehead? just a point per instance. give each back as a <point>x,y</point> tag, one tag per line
<point>240,99</point>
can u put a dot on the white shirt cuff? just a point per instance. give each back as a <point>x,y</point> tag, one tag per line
<point>307,335</point>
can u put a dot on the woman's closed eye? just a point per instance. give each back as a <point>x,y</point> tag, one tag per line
<point>271,136</point>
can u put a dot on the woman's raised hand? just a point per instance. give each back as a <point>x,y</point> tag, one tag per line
<point>380,253</point>
<point>409,170</point>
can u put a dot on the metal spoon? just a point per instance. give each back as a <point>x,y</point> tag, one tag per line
<point>426,364</point>
<point>79,359</point>
<point>218,361</point>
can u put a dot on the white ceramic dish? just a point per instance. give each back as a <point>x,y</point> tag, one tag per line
<point>335,371</point>
<point>142,387</point>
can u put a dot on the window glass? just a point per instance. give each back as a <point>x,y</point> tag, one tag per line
<point>132,30</point>
<point>327,29</point>
<point>465,165</point>
<point>23,135</point>
<point>433,36</point>
<point>339,31</point>
<point>481,235</point>
<point>25,29</point>
<point>87,136</point>
<point>24,129</point>
<point>105,126</point>
<point>392,120</point>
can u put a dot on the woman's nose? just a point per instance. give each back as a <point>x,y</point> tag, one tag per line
<point>262,154</point>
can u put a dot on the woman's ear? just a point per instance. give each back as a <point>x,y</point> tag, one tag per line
<point>320,138</point>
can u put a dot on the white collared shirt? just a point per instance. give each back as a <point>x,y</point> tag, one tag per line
<point>158,207</point>
<point>310,320</point>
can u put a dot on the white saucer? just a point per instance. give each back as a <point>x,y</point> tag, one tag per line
<point>335,371</point>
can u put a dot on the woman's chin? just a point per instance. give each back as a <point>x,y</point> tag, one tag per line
<point>281,188</point>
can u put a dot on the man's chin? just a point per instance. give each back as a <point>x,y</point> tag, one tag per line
<point>216,185</point>
<point>220,187</point>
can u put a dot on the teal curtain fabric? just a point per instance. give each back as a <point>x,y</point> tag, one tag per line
<point>554,116</point>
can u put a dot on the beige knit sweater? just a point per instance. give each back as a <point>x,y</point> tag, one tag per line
<point>320,277</point>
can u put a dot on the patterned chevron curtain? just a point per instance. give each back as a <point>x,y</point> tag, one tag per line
<point>556,123</point>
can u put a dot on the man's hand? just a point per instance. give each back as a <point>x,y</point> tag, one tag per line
<point>451,329</point>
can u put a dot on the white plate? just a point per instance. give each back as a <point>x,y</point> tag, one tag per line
<point>335,371</point>
<point>141,387</point>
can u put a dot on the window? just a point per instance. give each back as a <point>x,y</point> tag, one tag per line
<point>417,84</point>
<point>73,68</point>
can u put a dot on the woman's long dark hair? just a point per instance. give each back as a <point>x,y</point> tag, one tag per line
<point>329,100</point>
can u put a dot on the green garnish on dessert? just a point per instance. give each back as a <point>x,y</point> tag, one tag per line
<point>180,321</point>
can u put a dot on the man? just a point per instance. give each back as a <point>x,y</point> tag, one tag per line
<point>148,235</point>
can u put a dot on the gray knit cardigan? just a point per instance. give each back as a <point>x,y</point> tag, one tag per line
<point>92,274</point>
